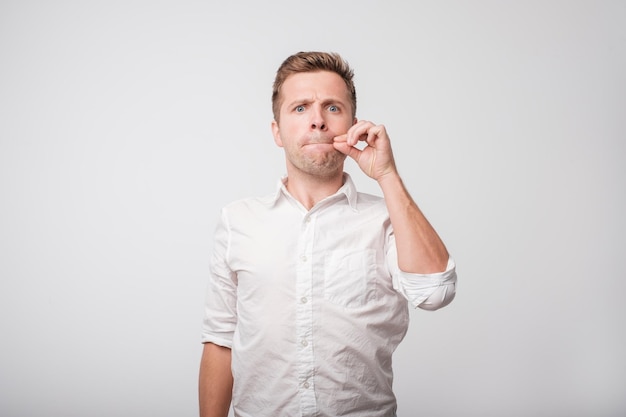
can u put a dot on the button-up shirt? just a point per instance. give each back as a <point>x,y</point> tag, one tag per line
<point>312,303</point>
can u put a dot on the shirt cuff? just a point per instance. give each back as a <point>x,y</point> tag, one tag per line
<point>430,291</point>
<point>216,340</point>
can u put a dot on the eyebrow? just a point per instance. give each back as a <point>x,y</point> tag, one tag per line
<point>325,102</point>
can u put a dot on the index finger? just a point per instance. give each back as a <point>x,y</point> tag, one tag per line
<point>359,132</point>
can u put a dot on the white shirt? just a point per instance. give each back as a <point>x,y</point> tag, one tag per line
<point>312,304</point>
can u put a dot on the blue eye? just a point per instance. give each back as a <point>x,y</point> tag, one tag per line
<point>300,109</point>
<point>333,108</point>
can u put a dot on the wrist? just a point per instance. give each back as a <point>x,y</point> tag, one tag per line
<point>389,178</point>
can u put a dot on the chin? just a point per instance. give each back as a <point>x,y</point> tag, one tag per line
<point>326,170</point>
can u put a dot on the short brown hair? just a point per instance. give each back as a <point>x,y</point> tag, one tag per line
<point>311,62</point>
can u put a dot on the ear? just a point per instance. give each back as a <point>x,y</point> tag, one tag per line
<point>276,133</point>
<point>355,121</point>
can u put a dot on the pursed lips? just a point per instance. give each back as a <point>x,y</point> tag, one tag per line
<point>320,140</point>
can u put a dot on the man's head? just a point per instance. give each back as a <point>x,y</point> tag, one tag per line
<point>314,102</point>
<point>312,62</point>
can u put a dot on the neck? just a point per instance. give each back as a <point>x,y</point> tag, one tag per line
<point>310,190</point>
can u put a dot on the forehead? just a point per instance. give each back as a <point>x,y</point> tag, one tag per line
<point>318,84</point>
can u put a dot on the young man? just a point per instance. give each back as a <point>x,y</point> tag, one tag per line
<point>309,288</point>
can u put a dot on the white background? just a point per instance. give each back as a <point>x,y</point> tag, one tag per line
<point>126,125</point>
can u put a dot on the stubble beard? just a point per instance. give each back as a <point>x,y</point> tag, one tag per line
<point>325,165</point>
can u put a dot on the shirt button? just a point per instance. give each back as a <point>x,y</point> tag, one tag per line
<point>306,385</point>
<point>305,343</point>
<point>303,300</point>
<point>304,258</point>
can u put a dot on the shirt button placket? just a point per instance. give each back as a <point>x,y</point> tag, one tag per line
<point>304,318</point>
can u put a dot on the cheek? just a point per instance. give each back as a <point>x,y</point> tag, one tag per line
<point>344,126</point>
<point>290,132</point>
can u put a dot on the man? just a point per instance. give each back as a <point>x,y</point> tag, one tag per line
<point>309,289</point>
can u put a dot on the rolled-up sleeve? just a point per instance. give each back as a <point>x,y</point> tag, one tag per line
<point>428,291</point>
<point>220,309</point>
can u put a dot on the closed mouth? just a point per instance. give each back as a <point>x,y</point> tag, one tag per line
<point>320,141</point>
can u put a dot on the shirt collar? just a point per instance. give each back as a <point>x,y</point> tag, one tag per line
<point>348,189</point>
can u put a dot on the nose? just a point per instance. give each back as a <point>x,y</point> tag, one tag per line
<point>317,119</point>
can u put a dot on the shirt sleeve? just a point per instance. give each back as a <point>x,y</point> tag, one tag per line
<point>426,291</point>
<point>430,291</point>
<point>220,308</point>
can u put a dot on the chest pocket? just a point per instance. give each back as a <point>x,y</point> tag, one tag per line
<point>350,277</point>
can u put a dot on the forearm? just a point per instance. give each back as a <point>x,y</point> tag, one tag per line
<point>215,382</point>
<point>420,249</point>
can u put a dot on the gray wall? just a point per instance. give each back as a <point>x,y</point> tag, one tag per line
<point>126,125</point>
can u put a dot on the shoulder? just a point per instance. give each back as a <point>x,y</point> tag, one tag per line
<point>365,200</point>
<point>246,206</point>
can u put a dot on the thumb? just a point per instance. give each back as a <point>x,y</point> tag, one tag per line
<point>346,149</point>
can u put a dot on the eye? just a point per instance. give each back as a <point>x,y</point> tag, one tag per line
<point>333,109</point>
<point>299,109</point>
